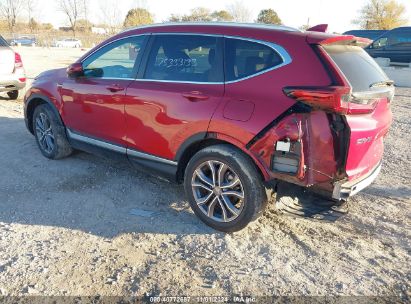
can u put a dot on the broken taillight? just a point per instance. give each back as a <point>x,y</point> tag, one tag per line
<point>333,99</point>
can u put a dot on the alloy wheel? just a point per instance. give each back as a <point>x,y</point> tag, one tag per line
<point>218,191</point>
<point>44,133</point>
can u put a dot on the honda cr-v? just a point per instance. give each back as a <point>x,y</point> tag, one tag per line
<point>222,108</point>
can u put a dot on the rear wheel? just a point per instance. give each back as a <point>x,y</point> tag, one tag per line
<point>50,134</point>
<point>224,188</point>
<point>13,95</point>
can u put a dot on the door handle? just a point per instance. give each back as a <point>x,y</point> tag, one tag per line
<point>195,96</point>
<point>115,88</point>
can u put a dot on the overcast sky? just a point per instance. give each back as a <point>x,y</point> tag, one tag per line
<point>337,13</point>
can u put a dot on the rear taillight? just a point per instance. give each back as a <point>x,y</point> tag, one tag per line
<point>340,99</point>
<point>333,99</point>
<point>18,63</point>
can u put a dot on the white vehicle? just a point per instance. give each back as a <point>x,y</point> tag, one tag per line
<point>68,43</point>
<point>12,74</point>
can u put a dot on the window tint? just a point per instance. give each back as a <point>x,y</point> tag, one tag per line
<point>360,69</point>
<point>400,38</point>
<point>245,58</point>
<point>185,58</point>
<point>117,60</point>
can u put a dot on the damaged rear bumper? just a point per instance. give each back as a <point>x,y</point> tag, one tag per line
<point>343,190</point>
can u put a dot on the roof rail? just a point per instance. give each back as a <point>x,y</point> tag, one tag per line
<point>230,24</point>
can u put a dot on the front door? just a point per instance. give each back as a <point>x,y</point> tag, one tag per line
<point>176,96</point>
<point>93,104</point>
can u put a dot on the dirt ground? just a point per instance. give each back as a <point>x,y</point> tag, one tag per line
<point>88,226</point>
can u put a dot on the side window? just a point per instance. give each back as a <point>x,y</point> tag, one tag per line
<point>400,38</point>
<point>380,43</point>
<point>116,60</point>
<point>245,58</point>
<point>193,58</point>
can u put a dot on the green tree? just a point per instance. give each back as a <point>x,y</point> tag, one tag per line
<point>268,16</point>
<point>381,15</point>
<point>138,16</point>
<point>221,16</point>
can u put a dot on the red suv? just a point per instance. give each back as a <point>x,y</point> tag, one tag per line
<point>223,109</point>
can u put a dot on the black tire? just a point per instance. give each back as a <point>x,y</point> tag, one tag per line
<point>253,190</point>
<point>61,147</point>
<point>13,95</point>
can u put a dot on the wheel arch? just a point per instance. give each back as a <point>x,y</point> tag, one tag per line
<point>203,140</point>
<point>32,103</point>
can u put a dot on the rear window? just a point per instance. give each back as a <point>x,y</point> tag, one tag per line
<point>3,42</point>
<point>358,67</point>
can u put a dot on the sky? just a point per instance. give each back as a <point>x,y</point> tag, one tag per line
<point>337,13</point>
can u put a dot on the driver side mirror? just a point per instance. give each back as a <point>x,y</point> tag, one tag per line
<point>75,70</point>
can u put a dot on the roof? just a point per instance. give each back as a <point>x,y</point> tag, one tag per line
<point>214,24</point>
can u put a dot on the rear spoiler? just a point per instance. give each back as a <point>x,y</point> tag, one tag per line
<point>326,40</point>
<point>318,28</point>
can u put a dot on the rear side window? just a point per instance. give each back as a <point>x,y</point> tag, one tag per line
<point>400,38</point>
<point>3,42</point>
<point>190,58</point>
<point>246,58</point>
<point>358,67</point>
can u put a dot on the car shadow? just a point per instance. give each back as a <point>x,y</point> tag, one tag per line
<point>85,192</point>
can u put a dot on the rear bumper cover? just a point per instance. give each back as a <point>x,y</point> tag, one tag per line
<point>8,84</point>
<point>343,190</point>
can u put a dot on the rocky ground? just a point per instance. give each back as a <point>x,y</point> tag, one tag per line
<point>88,226</point>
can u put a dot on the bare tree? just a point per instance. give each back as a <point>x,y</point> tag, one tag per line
<point>73,9</point>
<point>381,15</point>
<point>239,12</point>
<point>31,6</point>
<point>111,16</point>
<point>10,10</point>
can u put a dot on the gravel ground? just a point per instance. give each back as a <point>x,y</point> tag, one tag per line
<point>87,226</point>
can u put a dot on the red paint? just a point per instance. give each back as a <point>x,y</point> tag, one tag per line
<point>158,117</point>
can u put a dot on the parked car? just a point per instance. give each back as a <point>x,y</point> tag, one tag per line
<point>25,41</point>
<point>370,34</point>
<point>12,75</point>
<point>223,109</point>
<point>68,43</point>
<point>394,44</point>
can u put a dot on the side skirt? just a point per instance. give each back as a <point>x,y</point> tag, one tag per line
<point>151,164</point>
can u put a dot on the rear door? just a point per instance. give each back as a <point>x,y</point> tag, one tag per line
<point>177,94</point>
<point>369,85</point>
<point>6,58</point>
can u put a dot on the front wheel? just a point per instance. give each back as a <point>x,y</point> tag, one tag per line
<point>224,188</point>
<point>50,134</point>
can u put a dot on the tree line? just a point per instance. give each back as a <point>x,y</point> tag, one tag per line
<point>376,14</point>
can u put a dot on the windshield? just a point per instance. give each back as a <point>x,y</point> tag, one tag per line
<point>358,67</point>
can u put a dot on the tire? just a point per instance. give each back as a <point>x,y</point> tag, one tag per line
<point>54,143</point>
<point>233,164</point>
<point>13,95</point>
